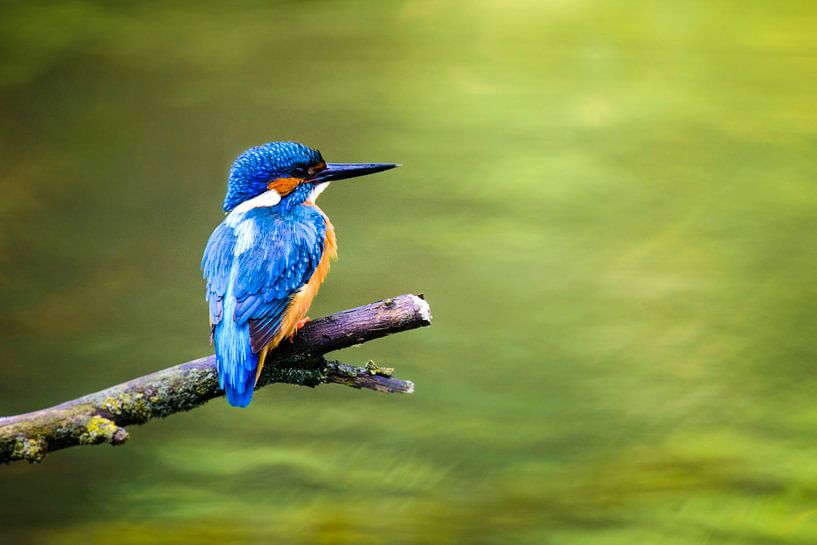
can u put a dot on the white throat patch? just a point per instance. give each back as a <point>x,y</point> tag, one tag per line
<point>313,196</point>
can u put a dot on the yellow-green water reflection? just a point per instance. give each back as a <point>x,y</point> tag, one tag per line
<point>609,205</point>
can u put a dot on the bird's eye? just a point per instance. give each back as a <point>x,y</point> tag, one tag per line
<point>314,169</point>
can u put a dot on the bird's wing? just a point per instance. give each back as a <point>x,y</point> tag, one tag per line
<point>262,261</point>
<point>281,258</point>
<point>216,265</point>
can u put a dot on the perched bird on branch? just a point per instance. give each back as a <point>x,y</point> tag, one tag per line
<point>265,262</point>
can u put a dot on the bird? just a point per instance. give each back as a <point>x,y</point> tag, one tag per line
<point>264,263</point>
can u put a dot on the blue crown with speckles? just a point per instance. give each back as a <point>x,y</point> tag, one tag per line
<point>256,167</point>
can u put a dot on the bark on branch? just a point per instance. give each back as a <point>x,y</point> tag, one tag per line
<point>100,417</point>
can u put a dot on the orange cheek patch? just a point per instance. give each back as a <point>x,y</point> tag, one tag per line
<point>284,186</point>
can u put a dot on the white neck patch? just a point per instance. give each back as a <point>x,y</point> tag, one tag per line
<point>317,191</point>
<point>265,199</point>
<point>245,233</point>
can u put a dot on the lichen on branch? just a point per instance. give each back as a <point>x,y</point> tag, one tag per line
<point>101,417</point>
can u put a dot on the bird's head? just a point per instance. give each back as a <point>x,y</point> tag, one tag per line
<point>286,173</point>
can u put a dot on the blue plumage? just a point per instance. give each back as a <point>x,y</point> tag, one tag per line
<point>286,248</point>
<point>254,263</point>
<point>260,261</point>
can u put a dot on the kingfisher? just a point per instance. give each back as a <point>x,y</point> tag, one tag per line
<point>264,263</point>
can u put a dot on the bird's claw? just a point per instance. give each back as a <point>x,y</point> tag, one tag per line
<point>298,325</point>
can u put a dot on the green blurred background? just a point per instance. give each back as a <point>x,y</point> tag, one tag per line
<point>610,206</point>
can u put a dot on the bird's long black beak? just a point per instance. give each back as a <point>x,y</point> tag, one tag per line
<point>342,171</point>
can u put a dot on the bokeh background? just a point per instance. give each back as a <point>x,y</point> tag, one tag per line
<point>610,205</point>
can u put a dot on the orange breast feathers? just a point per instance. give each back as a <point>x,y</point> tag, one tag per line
<point>301,301</point>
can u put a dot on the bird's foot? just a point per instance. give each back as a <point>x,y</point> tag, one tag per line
<point>298,325</point>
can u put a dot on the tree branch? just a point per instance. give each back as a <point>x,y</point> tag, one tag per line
<point>100,417</point>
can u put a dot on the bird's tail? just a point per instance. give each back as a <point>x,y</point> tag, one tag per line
<point>236,362</point>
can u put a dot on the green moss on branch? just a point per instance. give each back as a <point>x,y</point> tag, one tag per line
<point>101,417</point>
